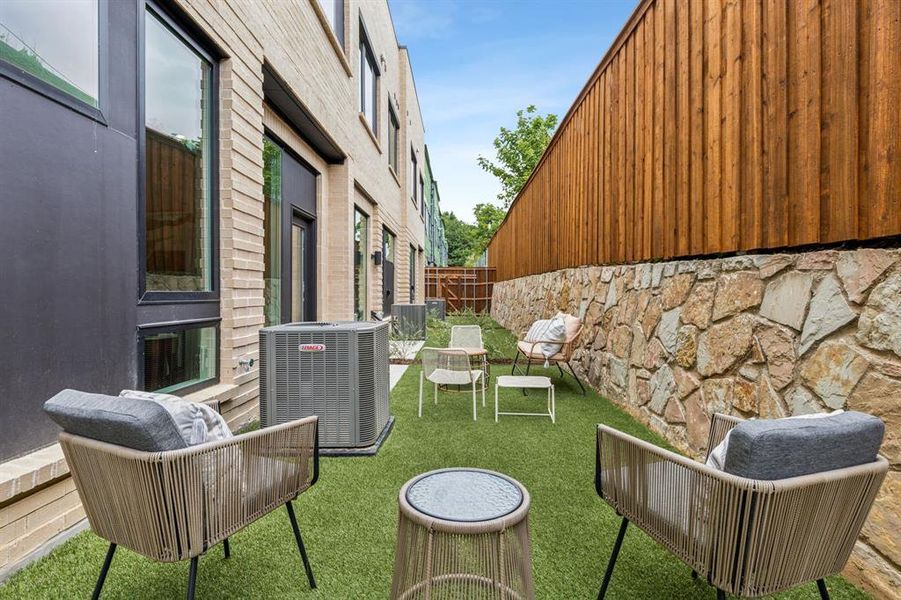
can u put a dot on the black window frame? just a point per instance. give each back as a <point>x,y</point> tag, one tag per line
<point>174,327</point>
<point>367,53</point>
<point>39,86</point>
<point>166,312</point>
<point>187,35</point>
<point>393,137</point>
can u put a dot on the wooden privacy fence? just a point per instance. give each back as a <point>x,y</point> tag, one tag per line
<point>715,126</point>
<point>462,287</point>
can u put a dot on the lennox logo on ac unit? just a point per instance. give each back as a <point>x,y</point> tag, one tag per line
<point>311,347</point>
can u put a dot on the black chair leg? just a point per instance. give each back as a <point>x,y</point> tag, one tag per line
<point>616,546</point>
<point>303,552</point>
<point>226,548</point>
<point>106,563</point>
<point>515,360</point>
<point>576,377</point>
<point>824,593</point>
<point>192,578</point>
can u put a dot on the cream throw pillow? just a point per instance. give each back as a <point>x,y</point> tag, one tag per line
<point>548,330</point>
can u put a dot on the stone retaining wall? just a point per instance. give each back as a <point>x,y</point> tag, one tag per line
<point>758,336</point>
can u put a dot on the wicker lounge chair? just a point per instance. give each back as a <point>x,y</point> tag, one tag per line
<point>532,354</point>
<point>747,537</point>
<point>175,505</point>
<point>446,367</point>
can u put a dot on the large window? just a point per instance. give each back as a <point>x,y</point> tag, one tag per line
<point>178,162</point>
<point>361,265</point>
<point>369,83</point>
<point>393,137</point>
<point>272,224</point>
<point>179,352</point>
<point>179,360</point>
<point>334,14</point>
<point>54,43</point>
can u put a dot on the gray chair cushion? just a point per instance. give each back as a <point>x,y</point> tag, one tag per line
<point>782,448</point>
<point>130,422</point>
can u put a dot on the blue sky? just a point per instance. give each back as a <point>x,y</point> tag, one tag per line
<point>476,62</point>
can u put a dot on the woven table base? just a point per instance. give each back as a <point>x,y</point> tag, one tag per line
<point>437,559</point>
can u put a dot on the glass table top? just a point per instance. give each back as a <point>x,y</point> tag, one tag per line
<point>464,495</point>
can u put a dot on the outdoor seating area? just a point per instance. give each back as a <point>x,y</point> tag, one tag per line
<point>558,533</point>
<point>251,347</point>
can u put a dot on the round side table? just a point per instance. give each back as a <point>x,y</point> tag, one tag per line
<point>463,533</point>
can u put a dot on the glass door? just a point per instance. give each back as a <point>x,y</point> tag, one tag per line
<point>361,265</point>
<point>412,275</point>
<point>387,271</point>
<point>302,271</point>
<point>297,279</point>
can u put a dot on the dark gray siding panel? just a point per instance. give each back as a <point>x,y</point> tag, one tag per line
<point>298,185</point>
<point>68,250</point>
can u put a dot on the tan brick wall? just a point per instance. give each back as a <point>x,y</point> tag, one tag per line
<point>291,37</point>
<point>27,524</point>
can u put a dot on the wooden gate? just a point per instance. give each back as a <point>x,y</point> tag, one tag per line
<point>462,287</point>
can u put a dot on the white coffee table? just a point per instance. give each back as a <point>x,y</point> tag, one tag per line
<point>523,382</point>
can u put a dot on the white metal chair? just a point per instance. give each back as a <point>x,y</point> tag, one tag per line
<point>466,336</point>
<point>469,337</point>
<point>449,366</point>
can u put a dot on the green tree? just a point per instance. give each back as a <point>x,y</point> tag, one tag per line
<point>518,151</point>
<point>459,236</point>
<point>488,218</point>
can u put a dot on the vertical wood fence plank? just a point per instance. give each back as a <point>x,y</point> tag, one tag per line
<point>717,126</point>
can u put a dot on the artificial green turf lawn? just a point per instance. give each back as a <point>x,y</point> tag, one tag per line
<point>349,518</point>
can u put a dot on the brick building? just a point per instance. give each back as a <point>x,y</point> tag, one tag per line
<point>176,174</point>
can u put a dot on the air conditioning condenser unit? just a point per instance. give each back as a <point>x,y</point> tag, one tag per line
<point>335,370</point>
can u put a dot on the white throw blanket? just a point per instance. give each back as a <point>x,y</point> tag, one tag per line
<point>197,423</point>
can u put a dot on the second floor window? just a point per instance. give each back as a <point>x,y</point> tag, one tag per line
<point>369,83</point>
<point>334,14</point>
<point>393,138</point>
